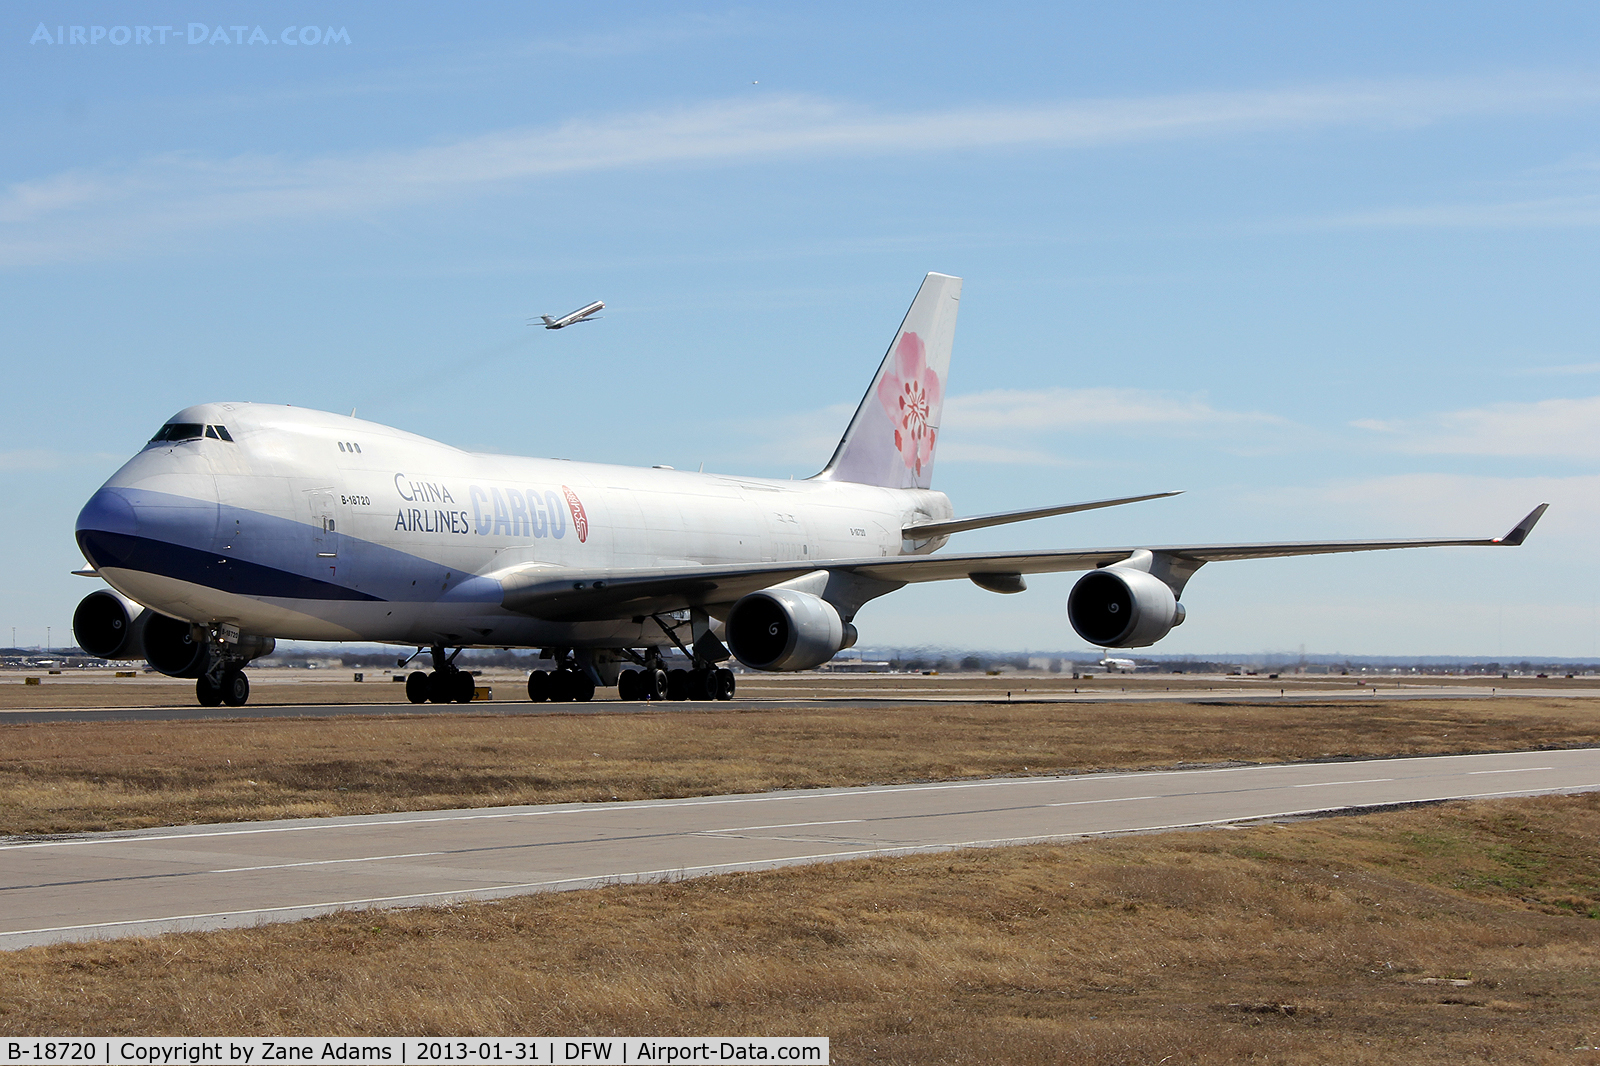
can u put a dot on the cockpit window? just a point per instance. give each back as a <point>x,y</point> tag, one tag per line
<point>176,431</point>
<point>173,432</point>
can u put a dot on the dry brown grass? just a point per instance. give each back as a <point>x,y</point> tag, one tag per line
<point>1459,933</point>
<point>73,692</point>
<point>69,777</point>
<point>94,689</point>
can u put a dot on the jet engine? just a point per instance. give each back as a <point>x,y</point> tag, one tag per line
<point>1119,607</point>
<point>171,647</point>
<point>784,629</point>
<point>110,626</point>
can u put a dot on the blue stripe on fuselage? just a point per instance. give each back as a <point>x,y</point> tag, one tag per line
<point>239,576</point>
<point>223,541</point>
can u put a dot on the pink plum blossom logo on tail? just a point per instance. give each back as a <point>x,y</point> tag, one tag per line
<point>910,392</point>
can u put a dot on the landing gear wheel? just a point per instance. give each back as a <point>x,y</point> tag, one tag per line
<point>655,684</point>
<point>417,687</point>
<point>561,689</point>
<point>725,684</point>
<point>208,694</point>
<point>439,687</point>
<point>678,685</point>
<point>466,686</point>
<point>582,687</point>
<point>539,686</point>
<point>628,685</point>
<point>700,685</point>
<point>235,688</point>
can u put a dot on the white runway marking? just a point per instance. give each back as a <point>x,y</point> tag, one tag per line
<point>326,862</point>
<point>1084,803</point>
<point>786,825</point>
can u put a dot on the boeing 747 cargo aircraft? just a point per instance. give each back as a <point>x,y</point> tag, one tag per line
<point>240,523</point>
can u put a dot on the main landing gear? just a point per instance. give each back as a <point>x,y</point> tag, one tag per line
<point>562,685</point>
<point>445,683</point>
<point>655,682</point>
<point>567,683</point>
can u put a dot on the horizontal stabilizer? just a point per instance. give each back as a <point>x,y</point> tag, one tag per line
<point>929,530</point>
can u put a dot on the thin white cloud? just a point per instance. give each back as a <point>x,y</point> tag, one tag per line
<point>108,210</point>
<point>1062,410</point>
<point>1561,370</point>
<point>1444,504</point>
<point>985,427</point>
<point>1555,211</point>
<point>975,452</point>
<point>1557,428</point>
<point>803,440</point>
<point>647,35</point>
<point>33,460</point>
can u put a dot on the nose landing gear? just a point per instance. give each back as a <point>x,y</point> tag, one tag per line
<point>223,681</point>
<point>232,688</point>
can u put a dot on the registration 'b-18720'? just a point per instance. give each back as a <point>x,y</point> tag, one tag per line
<point>241,523</point>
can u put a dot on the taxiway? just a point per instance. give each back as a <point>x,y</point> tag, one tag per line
<point>220,876</point>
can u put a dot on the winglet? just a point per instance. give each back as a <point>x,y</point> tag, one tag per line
<point>1520,531</point>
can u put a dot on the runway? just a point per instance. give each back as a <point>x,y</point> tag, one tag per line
<point>231,875</point>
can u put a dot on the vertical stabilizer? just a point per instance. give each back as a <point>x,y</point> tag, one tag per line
<point>891,439</point>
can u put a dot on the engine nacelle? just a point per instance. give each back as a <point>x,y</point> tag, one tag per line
<point>170,646</point>
<point>109,625</point>
<point>783,629</point>
<point>1118,607</point>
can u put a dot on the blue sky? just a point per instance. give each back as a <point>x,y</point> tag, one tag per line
<point>1329,268</point>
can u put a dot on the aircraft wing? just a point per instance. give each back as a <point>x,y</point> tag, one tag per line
<point>565,594</point>
<point>929,530</point>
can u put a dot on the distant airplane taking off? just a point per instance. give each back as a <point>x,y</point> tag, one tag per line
<point>580,315</point>
<point>239,524</point>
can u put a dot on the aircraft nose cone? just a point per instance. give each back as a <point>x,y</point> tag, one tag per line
<point>109,511</point>
<point>106,521</point>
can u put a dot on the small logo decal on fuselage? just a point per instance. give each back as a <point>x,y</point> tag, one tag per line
<point>580,520</point>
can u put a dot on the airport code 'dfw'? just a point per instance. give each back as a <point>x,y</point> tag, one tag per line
<point>240,523</point>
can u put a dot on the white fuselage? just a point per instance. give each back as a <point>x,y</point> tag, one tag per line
<point>309,525</point>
